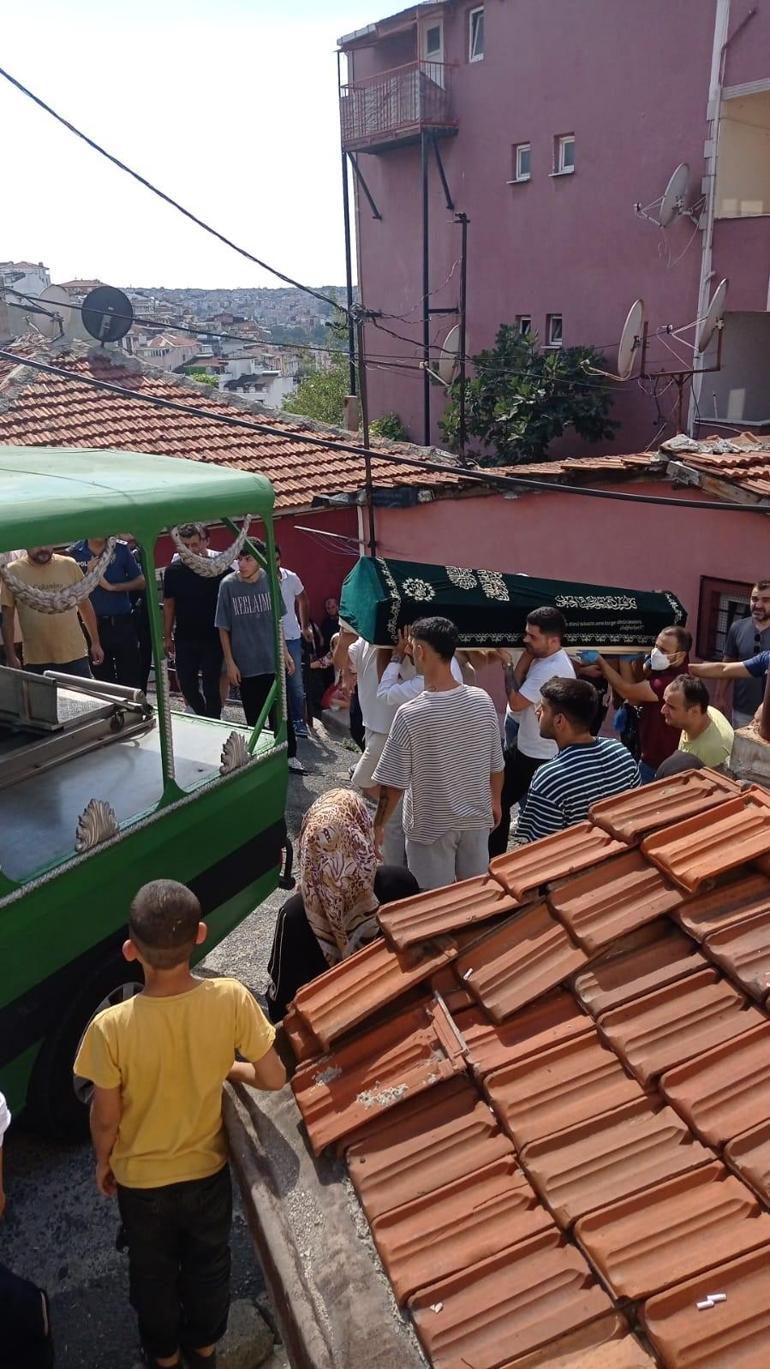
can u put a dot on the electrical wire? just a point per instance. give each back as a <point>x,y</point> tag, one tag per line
<point>168,199</point>
<point>463,474</point>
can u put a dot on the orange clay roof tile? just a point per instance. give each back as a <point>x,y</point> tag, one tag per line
<point>749,1154</point>
<point>526,1296</point>
<point>734,1334</point>
<point>363,983</point>
<point>531,867</point>
<point>725,1090</point>
<point>698,850</point>
<point>454,1227</point>
<point>731,900</point>
<point>302,1041</point>
<point>669,1232</point>
<point>551,1018</point>
<point>644,960</point>
<point>670,1025</point>
<point>340,1091</point>
<point>558,1088</point>
<point>616,897</point>
<point>610,1156</point>
<point>459,906</point>
<point>436,1138</point>
<point>603,1344</point>
<point>523,958</point>
<point>631,816</point>
<point>742,951</point>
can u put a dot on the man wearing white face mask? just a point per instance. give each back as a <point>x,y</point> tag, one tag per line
<point>668,659</point>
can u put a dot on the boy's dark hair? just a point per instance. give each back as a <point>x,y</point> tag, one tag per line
<point>193,530</point>
<point>438,633</point>
<point>576,699</point>
<point>762,584</point>
<point>694,690</point>
<point>163,922</point>
<point>549,620</point>
<point>683,637</point>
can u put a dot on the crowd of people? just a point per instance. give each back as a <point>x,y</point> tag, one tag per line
<point>453,743</point>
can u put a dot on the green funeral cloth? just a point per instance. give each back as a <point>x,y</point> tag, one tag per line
<point>488,608</point>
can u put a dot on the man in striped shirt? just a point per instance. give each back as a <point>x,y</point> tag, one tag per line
<point>586,768</point>
<point>444,753</point>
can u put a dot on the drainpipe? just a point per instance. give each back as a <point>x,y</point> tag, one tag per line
<point>713,111</point>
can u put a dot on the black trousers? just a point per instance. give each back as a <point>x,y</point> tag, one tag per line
<point>254,691</point>
<point>120,645</point>
<point>519,770</point>
<point>178,1241</point>
<point>198,662</point>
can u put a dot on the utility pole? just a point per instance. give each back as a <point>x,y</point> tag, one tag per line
<point>360,320</point>
<point>424,167</point>
<point>462,219</point>
<point>348,245</point>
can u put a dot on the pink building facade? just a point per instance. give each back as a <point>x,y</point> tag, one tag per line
<point>552,120</point>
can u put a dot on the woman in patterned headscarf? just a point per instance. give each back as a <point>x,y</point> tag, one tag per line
<point>334,913</point>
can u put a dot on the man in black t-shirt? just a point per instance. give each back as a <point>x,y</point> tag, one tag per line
<point>189,608</point>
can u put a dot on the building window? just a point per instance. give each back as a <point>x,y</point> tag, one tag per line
<point>722,602</point>
<point>524,324</point>
<point>476,35</point>
<point>554,333</point>
<point>434,42</point>
<point>564,155</point>
<point>522,161</point>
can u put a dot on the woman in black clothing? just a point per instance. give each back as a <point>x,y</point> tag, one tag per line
<point>334,912</point>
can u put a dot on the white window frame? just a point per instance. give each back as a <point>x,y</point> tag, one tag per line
<point>524,324</point>
<point>473,32</point>
<point>549,331</point>
<point>439,29</point>
<point>520,176</point>
<point>561,143</point>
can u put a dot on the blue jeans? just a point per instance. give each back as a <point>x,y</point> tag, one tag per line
<point>647,773</point>
<point>296,689</point>
<point>80,667</point>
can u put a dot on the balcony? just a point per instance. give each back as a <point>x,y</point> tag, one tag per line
<point>394,107</point>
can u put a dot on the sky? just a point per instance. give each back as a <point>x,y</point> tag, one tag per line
<point>230,106</point>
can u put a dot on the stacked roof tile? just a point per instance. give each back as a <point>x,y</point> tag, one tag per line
<point>560,1135</point>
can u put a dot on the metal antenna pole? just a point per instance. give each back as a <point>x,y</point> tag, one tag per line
<point>462,219</point>
<point>424,167</point>
<point>364,402</point>
<point>348,246</point>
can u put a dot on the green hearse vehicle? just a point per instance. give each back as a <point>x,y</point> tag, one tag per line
<point>101,791</point>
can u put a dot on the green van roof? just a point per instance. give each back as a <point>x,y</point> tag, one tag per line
<point>53,495</point>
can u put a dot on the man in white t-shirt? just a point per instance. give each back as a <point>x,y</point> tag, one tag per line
<point>399,681</point>
<point>443,754</point>
<point>543,658</point>
<point>368,662</point>
<point>296,625</point>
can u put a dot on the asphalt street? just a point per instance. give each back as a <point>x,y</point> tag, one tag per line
<point>59,1231</point>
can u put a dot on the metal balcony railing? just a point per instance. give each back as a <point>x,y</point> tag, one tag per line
<point>393,106</point>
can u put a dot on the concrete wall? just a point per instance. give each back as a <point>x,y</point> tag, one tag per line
<point>598,541</point>
<point>743,177</point>
<point>631,82</point>
<point>741,390</point>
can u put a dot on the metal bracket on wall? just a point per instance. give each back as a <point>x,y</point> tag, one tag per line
<point>360,178</point>
<point>442,173</point>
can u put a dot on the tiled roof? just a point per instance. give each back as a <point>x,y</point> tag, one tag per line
<point>743,459</point>
<point>44,410</point>
<point>558,1173</point>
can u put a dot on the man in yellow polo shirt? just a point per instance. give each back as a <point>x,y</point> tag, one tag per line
<point>706,733</point>
<point>50,641</point>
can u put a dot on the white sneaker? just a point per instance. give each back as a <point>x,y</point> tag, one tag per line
<point>295,764</point>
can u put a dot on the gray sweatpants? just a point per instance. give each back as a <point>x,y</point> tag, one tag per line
<point>457,855</point>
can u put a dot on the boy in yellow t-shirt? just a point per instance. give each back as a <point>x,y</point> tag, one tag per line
<point>158,1062</point>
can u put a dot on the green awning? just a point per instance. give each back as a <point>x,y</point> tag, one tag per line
<point>490,609</point>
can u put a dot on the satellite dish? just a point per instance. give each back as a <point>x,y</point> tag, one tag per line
<point>107,314</point>
<point>672,204</point>
<point>630,339</point>
<point>67,321</point>
<point>712,318</point>
<point>450,348</point>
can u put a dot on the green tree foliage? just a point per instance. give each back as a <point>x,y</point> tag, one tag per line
<point>203,378</point>
<point>321,395</point>
<point>521,397</point>
<point>390,427</point>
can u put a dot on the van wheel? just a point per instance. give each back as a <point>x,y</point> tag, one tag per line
<point>58,1100</point>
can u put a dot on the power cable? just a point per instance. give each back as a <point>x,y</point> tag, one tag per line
<point>472,474</point>
<point>168,199</point>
